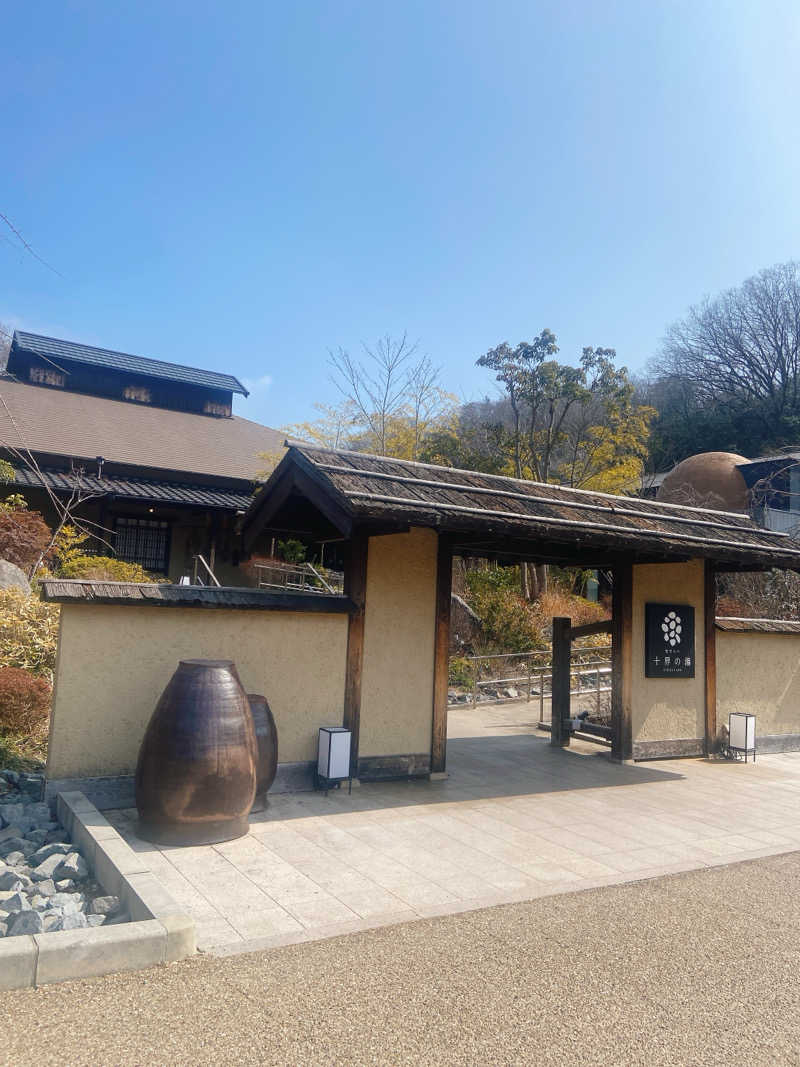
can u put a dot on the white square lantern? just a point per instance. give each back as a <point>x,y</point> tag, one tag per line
<point>742,733</point>
<point>333,755</point>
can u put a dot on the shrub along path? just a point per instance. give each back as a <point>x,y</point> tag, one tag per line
<point>694,968</point>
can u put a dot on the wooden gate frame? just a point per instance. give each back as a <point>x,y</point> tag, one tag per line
<point>564,633</point>
<point>620,626</point>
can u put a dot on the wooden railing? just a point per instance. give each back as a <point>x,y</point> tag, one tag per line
<point>564,633</point>
<point>298,577</point>
<point>531,674</point>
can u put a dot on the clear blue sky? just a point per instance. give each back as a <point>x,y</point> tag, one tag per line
<point>242,185</point>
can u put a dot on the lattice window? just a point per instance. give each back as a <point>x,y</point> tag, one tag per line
<point>137,392</point>
<point>212,408</point>
<point>143,541</point>
<point>47,376</point>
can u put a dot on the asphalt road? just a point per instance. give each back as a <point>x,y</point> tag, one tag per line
<point>700,968</point>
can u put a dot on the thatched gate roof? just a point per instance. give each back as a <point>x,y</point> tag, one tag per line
<point>323,493</point>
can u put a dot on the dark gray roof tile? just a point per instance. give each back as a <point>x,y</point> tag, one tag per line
<point>144,489</point>
<point>54,349</point>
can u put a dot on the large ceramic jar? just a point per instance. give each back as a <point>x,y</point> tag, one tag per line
<point>267,741</point>
<point>196,775</point>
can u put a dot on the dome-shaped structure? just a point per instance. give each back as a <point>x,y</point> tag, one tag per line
<point>707,480</point>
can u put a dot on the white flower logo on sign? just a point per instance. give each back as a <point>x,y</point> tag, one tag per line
<point>671,628</point>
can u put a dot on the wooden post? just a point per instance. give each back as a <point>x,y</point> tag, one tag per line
<point>709,618</point>
<point>355,586</point>
<point>441,662</point>
<point>622,662</point>
<point>541,694</point>
<point>560,687</point>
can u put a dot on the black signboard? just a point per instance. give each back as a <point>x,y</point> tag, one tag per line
<point>669,641</point>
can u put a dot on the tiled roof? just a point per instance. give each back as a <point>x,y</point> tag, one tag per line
<point>484,508</point>
<point>789,457</point>
<point>54,349</point>
<point>56,422</point>
<point>163,595</point>
<point>143,489</point>
<point>758,626</point>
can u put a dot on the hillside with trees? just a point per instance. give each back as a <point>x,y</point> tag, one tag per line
<point>578,424</point>
<point>727,377</point>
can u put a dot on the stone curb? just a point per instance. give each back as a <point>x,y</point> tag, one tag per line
<point>160,932</point>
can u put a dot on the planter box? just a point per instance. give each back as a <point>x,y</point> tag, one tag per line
<point>159,932</point>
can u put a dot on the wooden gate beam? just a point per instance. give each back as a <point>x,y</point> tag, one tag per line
<point>441,664</point>
<point>710,633</point>
<point>602,627</point>
<point>622,662</point>
<point>560,686</point>
<point>355,586</point>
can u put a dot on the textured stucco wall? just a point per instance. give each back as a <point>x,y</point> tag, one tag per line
<point>399,623</point>
<point>668,708</point>
<point>760,674</point>
<point>114,662</point>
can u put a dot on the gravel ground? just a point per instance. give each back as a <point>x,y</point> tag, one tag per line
<point>700,968</point>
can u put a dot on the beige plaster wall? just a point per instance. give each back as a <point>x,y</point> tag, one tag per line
<point>759,674</point>
<point>114,662</point>
<point>399,623</point>
<point>667,708</point>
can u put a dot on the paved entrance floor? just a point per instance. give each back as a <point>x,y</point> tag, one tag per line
<point>697,969</point>
<point>515,820</point>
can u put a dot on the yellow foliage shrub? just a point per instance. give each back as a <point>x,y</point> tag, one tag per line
<point>509,622</point>
<point>104,569</point>
<point>557,603</point>
<point>28,633</point>
<point>73,562</point>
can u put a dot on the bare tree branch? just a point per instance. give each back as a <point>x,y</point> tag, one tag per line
<point>389,389</point>
<point>28,248</point>
<point>65,509</point>
<point>743,346</point>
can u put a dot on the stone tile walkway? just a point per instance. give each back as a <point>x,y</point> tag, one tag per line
<point>516,820</point>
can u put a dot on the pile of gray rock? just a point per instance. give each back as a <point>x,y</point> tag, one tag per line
<point>486,694</point>
<point>45,884</point>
